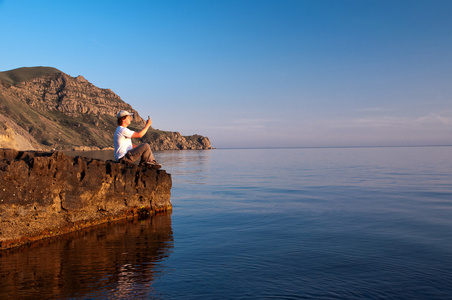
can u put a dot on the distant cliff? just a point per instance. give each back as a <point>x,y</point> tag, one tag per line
<point>43,194</point>
<point>42,108</point>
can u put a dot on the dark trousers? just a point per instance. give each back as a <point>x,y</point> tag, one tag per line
<point>142,151</point>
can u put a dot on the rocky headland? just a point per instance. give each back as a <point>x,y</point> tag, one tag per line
<point>44,194</point>
<point>42,108</point>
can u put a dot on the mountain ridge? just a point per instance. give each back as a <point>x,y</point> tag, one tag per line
<point>18,75</point>
<point>57,111</point>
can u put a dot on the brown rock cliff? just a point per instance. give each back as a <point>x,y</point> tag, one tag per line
<point>48,193</point>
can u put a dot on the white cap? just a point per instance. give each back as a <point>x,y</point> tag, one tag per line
<point>124,113</point>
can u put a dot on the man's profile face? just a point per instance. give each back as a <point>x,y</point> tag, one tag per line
<point>127,120</point>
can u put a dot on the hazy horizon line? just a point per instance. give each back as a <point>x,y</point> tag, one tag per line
<point>332,147</point>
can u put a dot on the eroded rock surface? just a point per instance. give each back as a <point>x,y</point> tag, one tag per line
<point>48,193</point>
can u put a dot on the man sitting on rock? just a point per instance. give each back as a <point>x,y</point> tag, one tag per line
<point>125,151</point>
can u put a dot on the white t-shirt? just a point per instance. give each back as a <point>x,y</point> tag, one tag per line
<point>122,141</point>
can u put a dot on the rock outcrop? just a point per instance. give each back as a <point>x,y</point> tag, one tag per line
<point>164,140</point>
<point>44,194</point>
<point>63,112</point>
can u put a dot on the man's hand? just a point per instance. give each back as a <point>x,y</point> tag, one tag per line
<point>143,131</point>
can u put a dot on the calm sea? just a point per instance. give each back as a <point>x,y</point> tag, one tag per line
<point>315,223</point>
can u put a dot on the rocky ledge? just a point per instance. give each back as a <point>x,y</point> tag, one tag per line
<point>45,194</point>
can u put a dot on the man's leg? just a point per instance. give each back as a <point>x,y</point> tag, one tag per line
<point>142,151</point>
<point>146,154</point>
<point>147,158</point>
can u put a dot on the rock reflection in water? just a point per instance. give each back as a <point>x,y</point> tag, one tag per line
<point>118,260</point>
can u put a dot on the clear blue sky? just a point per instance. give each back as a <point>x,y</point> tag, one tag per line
<point>254,73</point>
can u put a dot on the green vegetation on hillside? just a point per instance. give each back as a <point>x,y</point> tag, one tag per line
<point>25,74</point>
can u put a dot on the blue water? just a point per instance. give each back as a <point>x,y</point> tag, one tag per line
<point>313,223</point>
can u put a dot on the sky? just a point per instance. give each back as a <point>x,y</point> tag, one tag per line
<point>254,73</point>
